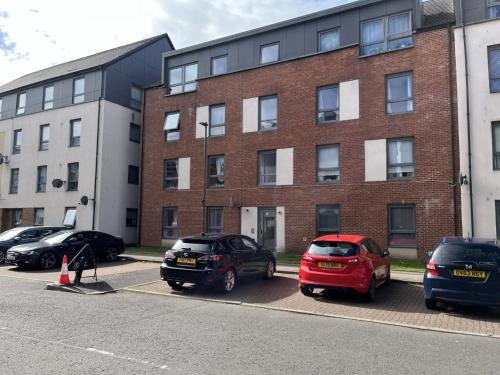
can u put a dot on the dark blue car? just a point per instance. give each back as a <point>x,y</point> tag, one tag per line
<point>463,271</point>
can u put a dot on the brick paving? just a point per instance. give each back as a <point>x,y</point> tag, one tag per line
<point>399,303</point>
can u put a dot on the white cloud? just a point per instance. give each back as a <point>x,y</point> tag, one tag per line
<point>39,34</point>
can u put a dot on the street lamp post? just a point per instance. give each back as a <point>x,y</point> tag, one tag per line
<point>203,201</point>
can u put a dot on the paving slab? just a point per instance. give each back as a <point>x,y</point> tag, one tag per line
<point>398,304</point>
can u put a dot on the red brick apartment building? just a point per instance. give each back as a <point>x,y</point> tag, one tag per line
<point>337,121</point>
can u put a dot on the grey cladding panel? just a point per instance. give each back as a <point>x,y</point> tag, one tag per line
<point>294,43</point>
<point>349,29</point>
<point>474,10</point>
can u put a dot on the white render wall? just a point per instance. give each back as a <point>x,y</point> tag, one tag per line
<point>484,109</point>
<point>376,160</point>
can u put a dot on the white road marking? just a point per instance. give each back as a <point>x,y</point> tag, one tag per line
<point>4,330</point>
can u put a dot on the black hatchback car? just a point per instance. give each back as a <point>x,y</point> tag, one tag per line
<point>463,271</point>
<point>49,252</point>
<point>23,235</point>
<point>218,260</point>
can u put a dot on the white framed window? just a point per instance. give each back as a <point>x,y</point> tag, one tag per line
<point>48,97</point>
<point>269,53</point>
<point>171,126</point>
<point>219,65</point>
<point>78,90</point>
<point>41,180</point>
<point>43,144</point>
<point>69,217</point>
<point>400,158</point>
<point>327,163</point>
<point>17,141</point>
<point>21,103</point>
<point>183,78</point>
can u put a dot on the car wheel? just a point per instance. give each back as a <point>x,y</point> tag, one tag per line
<point>387,281</point>
<point>228,281</point>
<point>431,304</point>
<point>111,254</point>
<point>2,256</point>
<point>175,285</point>
<point>370,295</point>
<point>47,260</point>
<point>270,269</point>
<point>307,290</point>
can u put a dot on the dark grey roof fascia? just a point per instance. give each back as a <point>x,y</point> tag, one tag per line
<point>275,26</point>
<point>27,83</point>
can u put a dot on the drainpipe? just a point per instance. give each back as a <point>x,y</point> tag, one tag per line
<point>468,118</point>
<point>452,127</point>
<point>97,149</point>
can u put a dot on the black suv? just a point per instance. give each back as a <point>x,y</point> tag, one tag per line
<point>22,235</point>
<point>216,260</point>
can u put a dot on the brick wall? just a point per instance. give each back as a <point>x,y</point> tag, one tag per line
<point>363,205</point>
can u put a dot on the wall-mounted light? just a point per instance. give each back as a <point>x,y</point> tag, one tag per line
<point>463,179</point>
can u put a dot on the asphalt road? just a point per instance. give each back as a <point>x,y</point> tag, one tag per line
<point>46,332</point>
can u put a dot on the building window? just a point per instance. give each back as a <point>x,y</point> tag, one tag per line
<point>327,219</point>
<point>328,40</point>
<point>131,218</point>
<point>135,133</point>
<point>69,217</point>
<point>136,97</point>
<point>17,217</point>
<point>78,90</point>
<point>268,112</point>
<point>169,223</point>
<point>21,103</point>
<point>133,175</point>
<point>73,170</point>
<point>328,163</point>
<point>14,181</point>
<point>74,134</point>
<point>48,97</point>
<point>215,219</point>
<point>399,93</point>
<point>217,120</point>
<point>400,161</point>
<point>269,53</point>
<point>41,180</point>
<point>219,65</point>
<point>402,226</point>
<point>171,126</point>
<point>44,138</point>
<point>493,8</point>
<point>267,167</point>
<point>38,216</point>
<point>377,38</point>
<point>497,211</point>
<point>183,78</point>
<point>328,103</point>
<point>17,141</point>
<point>171,174</point>
<point>494,63</point>
<point>216,171</point>
<point>496,145</point>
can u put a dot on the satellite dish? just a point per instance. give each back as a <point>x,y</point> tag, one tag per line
<point>84,200</point>
<point>57,183</point>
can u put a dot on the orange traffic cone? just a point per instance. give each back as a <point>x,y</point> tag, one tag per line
<point>64,277</point>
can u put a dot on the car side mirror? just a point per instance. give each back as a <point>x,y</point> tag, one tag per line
<point>17,238</point>
<point>386,253</point>
<point>429,254</point>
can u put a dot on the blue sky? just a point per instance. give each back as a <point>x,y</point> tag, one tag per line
<point>35,34</point>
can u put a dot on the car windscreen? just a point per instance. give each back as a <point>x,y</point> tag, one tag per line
<point>198,246</point>
<point>57,237</point>
<point>10,234</point>
<point>333,248</point>
<point>452,253</point>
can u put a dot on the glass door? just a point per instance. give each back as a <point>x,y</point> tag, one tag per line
<point>267,228</point>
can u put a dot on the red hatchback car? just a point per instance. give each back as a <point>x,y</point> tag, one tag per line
<point>344,262</point>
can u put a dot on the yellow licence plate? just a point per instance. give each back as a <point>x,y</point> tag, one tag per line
<point>191,261</point>
<point>330,265</point>
<point>468,273</point>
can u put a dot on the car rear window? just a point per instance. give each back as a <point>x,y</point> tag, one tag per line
<point>199,246</point>
<point>446,254</point>
<point>332,248</point>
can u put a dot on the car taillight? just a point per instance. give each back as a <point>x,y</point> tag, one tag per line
<point>355,260</point>
<point>211,258</point>
<point>169,255</point>
<point>431,268</point>
<point>307,257</point>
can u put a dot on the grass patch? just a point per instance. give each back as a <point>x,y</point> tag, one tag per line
<point>145,250</point>
<point>408,265</point>
<point>289,258</point>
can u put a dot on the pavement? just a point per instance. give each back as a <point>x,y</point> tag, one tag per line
<point>44,332</point>
<point>400,304</point>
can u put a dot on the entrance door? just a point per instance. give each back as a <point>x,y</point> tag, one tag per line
<point>267,228</point>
